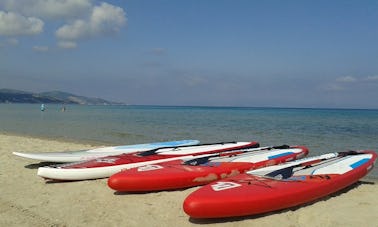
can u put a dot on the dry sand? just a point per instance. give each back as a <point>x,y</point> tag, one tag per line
<point>27,200</point>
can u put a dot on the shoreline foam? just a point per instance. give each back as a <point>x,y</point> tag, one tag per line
<point>27,200</point>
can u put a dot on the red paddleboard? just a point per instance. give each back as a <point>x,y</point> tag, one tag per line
<point>106,166</point>
<point>201,170</point>
<point>279,187</point>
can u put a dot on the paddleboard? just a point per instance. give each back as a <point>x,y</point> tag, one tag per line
<point>106,166</point>
<point>74,156</point>
<point>279,187</point>
<point>201,170</point>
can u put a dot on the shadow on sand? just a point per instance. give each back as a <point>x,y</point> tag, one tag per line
<point>148,192</point>
<point>40,164</point>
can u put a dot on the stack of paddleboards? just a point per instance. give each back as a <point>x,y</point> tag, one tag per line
<point>106,166</point>
<point>237,178</point>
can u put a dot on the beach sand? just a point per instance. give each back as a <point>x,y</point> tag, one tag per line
<point>27,200</point>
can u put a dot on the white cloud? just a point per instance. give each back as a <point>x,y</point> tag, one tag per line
<point>79,19</point>
<point>333,87</point>
<point>346,79</point>
<point>77,30</point>
<point>372,78</point>
<point>107,18</point>
<point>13,24</point>
<point>40,48</point>
<point>48,9</point>
<point>104,19</point>
<point>67,44</point>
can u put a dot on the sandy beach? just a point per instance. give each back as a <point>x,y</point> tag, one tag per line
<point>28,200</point>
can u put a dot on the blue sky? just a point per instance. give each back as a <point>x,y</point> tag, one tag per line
<point>213,53</point>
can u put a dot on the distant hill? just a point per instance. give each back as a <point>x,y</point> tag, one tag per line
<point>16,96</point>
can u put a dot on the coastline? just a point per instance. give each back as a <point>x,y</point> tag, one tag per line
<point>27,200</point>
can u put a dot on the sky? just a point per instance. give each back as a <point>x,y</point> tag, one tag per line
<point>272,53</point>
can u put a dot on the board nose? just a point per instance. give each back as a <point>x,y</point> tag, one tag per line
<point>114,183</point>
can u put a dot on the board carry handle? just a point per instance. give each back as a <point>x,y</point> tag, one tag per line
<point>284,146</point>
<point>346,153</point>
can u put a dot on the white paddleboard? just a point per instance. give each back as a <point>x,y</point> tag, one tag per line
<point>106,166</point>
<point>74,156</point>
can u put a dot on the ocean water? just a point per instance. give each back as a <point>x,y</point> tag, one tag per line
<point>321,130</point>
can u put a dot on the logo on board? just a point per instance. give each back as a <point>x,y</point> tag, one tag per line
<point>223,185</point>
<point>149,168</point>
<point>107,160</point>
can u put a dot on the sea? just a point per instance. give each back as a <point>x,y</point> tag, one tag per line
<point>321,130</point>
